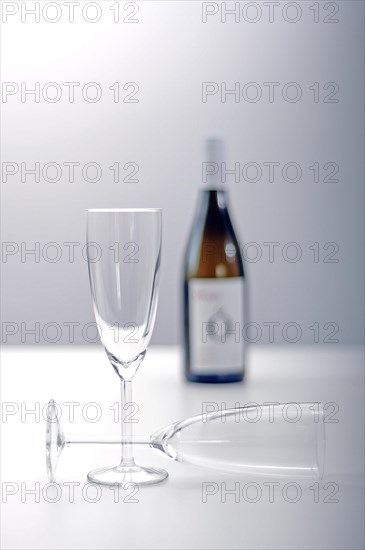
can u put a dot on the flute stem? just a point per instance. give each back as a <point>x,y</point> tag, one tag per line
<point>126,425</point>
<point>79,439</point>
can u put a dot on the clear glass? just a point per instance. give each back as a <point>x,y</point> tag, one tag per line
<point>124,255</point>
<point>282,440</point>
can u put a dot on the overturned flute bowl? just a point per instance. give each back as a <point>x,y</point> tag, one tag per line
<point>281,440</point>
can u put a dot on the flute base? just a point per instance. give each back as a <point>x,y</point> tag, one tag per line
<point>122,475</point>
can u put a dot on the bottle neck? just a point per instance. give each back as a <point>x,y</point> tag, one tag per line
<point>212,232</point>
<point>214,201</point>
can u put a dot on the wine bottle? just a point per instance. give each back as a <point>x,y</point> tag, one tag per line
<point>213,285</point>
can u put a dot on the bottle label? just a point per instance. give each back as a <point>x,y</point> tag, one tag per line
<point>216,325</point>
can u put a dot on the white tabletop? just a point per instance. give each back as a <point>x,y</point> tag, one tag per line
<point>173,514</point>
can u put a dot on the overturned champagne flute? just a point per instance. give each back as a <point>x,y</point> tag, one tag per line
<point>275,440</point>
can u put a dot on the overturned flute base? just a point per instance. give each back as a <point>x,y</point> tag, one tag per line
<point>122,475</point>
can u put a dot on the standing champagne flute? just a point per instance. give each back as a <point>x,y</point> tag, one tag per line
<point>124,275</point>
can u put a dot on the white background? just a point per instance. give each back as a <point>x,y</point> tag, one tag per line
<point>169,53</point>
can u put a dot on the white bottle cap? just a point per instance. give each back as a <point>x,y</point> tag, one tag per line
<point>212,168</point>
